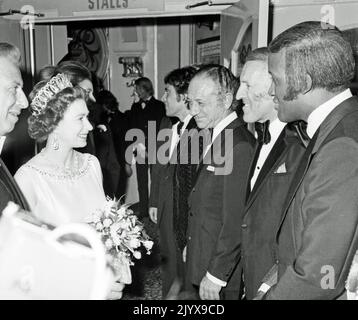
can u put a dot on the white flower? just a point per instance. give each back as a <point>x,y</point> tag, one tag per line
<point>148,244</point>
<point>108,243</point>
<point>108,206</point>
<point>116,239</point>
<point>99,226</point>
<point>107,222</point>
<point>137,255</point>
<point>121,212</point>
<point>134,243</point>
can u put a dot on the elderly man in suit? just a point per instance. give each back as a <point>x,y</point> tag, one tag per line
<point>312,65</point>
<point>172,179</point>
<point>12,102</point>
<point>277,155</point>
<point>218,197</point>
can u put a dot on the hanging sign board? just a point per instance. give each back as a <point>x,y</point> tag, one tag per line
<point>68,8</point>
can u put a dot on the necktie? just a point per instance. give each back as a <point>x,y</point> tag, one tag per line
<point>263,133</point>
<point>205,140</point>
<point>300,127</point>
<point>182,185</point>
<point>179,127</point>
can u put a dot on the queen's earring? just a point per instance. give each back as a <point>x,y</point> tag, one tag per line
<point>55,144</point>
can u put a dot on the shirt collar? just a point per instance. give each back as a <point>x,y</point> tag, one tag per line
<point>276,128</point>
<point>318,115</point>
<point>223,124</point>
<point>185,122</point>
<point>2,141</point>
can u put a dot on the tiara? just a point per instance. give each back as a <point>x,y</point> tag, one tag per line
<point>48,91</point>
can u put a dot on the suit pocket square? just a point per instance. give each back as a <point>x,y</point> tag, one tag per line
<point>210,168</point>
<point>281,169</point>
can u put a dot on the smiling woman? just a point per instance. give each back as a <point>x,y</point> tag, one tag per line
<point>60,184</point>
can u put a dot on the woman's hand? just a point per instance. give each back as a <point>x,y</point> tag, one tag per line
<point>116,291</point>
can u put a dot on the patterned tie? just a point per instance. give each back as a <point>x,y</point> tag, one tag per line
<point>300,127</point>
<point>183,179</point>
<point>263,133</point>
<point>204,141</point>
<point>179,127</point>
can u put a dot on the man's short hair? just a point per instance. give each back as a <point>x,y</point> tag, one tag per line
<point>9,51</point>
<point>224,79</point>
<point>259,54</point>
<point>180,78</point>
<point>145,84</point>
<point>316,49</point>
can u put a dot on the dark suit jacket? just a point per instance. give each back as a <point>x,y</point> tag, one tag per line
<point>264,207</point>
<point>216,209</point>
<point>161,197</point>
<point>9,190</point>
<point>139,117</point>
<point>161,191</point>
<point>318,234</point>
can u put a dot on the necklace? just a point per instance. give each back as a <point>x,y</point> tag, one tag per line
<point>70,170</point>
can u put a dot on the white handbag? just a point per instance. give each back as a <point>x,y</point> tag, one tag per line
<point>36,263</point>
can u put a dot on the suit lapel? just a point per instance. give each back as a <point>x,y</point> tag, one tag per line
<point>298,178</point>
<point>183,143</point>
<point>346,107</point>
<point>12,187</point>
<point>209,155</point>
<point>269,165</point>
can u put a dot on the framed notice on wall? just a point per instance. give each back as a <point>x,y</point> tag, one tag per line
<point>208,50</point>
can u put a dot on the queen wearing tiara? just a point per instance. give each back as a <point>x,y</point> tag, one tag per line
<point>60,184</point>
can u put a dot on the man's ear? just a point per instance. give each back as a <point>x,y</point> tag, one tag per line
<point>228,98</point>
<point>308,86</point>
<point>182,97</point>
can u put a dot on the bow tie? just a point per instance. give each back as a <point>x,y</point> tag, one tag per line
<point>143,103</point>
<point>300,127</point>
<point>263,133</point>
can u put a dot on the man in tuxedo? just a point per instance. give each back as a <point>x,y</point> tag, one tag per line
<point>276,157</point>
<point>147,110</point>
<point>218,197</point>
<point>312,65</point>
<point>12,102</point>
<point>172,179</point>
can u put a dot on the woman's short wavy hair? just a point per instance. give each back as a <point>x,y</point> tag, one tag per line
<point>40,126</point>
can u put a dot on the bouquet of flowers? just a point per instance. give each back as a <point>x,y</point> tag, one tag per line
<point>123,236</point>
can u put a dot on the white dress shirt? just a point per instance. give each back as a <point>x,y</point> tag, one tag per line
<point>216,131</point>
<point>175,137</point>
<point>220,127</point>
<point>275,129</point>
<point>2,141</point>
<point>318,115</point>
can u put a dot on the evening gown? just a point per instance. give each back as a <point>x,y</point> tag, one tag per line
<point>62,197</point>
